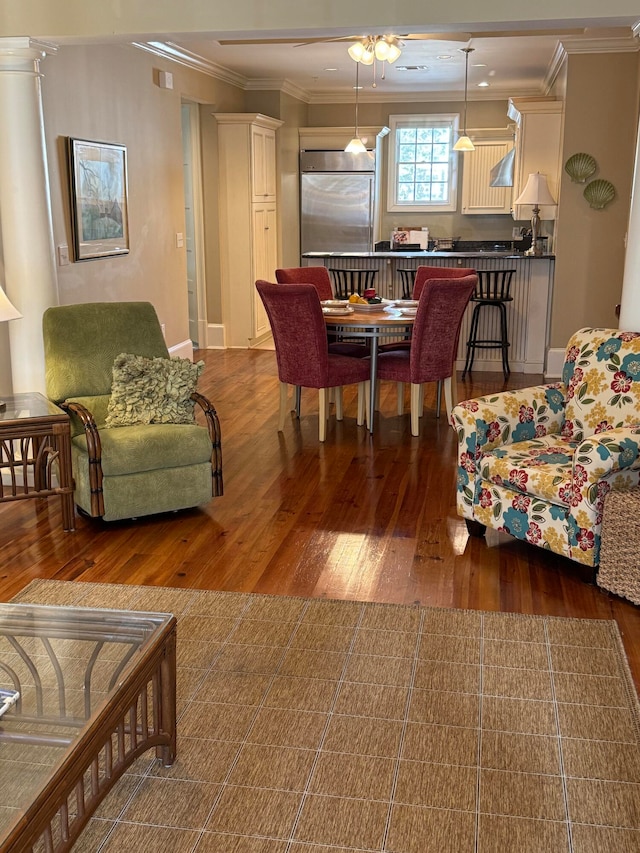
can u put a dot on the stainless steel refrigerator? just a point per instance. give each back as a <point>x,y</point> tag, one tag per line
<point>336,201</point>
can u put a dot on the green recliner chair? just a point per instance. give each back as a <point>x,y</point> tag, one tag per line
<point>124,471</point>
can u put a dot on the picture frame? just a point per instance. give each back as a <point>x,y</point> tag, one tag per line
<point>99,208</point>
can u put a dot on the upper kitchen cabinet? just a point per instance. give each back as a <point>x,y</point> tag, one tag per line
<point>263,147</point>
<point>248,221</point>
<point>538,148</point>
<point>478,196</point>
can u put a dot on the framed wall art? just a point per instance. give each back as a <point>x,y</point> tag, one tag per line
<point>99,212</point>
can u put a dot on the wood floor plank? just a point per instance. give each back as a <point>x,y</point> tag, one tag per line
<point>357,517</point>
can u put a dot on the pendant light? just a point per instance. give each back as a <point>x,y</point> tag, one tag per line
<point>356,146</point>
<point>464,143</point>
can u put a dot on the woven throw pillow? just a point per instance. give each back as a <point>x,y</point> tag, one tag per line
<point>152,390</point>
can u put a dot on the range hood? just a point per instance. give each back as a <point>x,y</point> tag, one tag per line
<point>502,173</point>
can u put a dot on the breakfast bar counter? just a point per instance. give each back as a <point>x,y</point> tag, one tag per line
<point>527,316</point>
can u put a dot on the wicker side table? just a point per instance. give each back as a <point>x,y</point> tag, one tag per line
<point>619,570</point>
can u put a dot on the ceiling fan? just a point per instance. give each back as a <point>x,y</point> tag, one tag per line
<point>444,36</point>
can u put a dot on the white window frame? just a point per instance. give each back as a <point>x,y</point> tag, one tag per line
<point>435,120</point>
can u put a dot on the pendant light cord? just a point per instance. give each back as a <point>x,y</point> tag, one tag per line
<point>357,90</point>
<point>467,50</point>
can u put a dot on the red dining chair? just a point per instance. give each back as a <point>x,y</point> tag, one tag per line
<point>319,277</point>
<point>434,343</point>
<point>302,352</point>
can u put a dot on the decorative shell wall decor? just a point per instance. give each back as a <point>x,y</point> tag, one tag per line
<point>599,193</point>
<point>580,166</point>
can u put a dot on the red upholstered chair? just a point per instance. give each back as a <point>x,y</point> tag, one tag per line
<point>319,277</point>
<point>424,274</point>
<point>434,342</point>
<point>303,356</point>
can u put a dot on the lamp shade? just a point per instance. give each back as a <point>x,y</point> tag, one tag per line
<point>356,146</point>
<point>536,192</point>
<point>7,310</point>
<point>464,144</point>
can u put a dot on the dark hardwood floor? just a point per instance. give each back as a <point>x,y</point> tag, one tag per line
<point>358,517</point>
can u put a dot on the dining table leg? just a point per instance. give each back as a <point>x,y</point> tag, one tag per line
<point>374,377</point>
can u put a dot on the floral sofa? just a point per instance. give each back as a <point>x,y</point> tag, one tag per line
<point>537,462</point>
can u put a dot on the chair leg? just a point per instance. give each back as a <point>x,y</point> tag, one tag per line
<point>298,396</point>
<point>400,395</point>
<point>438,397</point>
<point>323,412</point>
<point>473,334</point>
<point>421,402</point>
<point>284,407</point>
<point>415,408</point>
<point>505,342</point>
<point>448,396</point>
<point>339,402</point>
<point>363,403</point>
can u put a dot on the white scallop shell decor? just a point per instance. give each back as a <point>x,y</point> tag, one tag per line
<point>599,193</point>
<point>580,166</point>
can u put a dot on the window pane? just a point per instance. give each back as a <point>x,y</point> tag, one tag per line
<point>423,166</point>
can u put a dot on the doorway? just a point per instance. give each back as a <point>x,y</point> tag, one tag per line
<point>194,230</point>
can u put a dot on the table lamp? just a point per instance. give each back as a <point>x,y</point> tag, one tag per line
<point>536,192</point>
<point>7,312</point>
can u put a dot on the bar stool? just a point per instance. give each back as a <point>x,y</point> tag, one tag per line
<point>346,282</point>
<point>493,290</point>
<point>407,278</point>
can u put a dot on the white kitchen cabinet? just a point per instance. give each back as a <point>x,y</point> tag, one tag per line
<point>477,195</point>
<point>263,148</point>
<point>538,148</point>
<point>248,221</point>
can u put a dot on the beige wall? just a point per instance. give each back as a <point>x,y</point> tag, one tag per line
<point>601,118</point>
<point>110,93</point>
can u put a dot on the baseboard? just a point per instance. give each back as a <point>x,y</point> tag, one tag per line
<point>555,363</point>
<point>215,336</point>
<point>182,350</point>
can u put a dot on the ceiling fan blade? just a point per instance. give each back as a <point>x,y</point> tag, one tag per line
<point>438,36</point>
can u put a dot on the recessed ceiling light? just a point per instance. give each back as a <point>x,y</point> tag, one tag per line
<point>479,64</point>
<point>483,85</point>
<point>445,56</point>
<point>330,69</point>
<point>411,67</point>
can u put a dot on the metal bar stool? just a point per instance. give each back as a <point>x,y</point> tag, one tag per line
<point>494,290</point>
<point>346,282</point>
<point>407,278</point>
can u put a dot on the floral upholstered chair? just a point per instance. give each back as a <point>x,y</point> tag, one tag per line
<point>537,462</point>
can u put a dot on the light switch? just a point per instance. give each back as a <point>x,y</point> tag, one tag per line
<point>179,240</point>
<point>63,256</point>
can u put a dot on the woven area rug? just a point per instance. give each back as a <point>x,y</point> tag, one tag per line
<point>318,726</point>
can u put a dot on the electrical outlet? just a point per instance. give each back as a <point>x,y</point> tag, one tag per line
<point>63,256</point>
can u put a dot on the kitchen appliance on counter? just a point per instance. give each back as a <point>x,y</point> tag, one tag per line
<point>336,201</point>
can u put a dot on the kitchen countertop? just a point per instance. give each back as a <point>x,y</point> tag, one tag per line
<point>516,255</point>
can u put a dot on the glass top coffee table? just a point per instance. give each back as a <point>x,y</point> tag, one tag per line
<point>97,689</point>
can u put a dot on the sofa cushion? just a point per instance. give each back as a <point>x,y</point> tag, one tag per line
<point>542,468</point>
<point>152,390</point>
<point>148,447</point>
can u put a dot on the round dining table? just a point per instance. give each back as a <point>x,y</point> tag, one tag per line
<point>373,324</point>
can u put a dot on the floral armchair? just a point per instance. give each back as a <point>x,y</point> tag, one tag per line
<point>537,462</point>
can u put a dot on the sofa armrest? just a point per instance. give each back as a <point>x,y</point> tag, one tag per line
<point>213,425</point>
<point>94,452</point>
<point>606,453</point>
<point>495,420</point>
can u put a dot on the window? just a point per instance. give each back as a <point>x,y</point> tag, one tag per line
<point>422,163</point>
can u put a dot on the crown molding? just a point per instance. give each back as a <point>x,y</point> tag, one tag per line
<point>281,84</point>
<point>168,50</point>
<point>602,45</point>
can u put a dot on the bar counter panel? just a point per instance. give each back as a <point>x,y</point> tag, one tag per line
<point>527,315</point>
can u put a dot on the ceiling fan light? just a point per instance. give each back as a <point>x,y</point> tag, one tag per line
<point>382,49</point>
<point>394,53</point>
<point>464,144</point>
<point>356,146</point>
<point>356,50</point>
<point>367,56</point>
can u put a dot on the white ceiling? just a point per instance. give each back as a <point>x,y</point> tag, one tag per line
<point>512,63</point>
